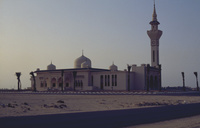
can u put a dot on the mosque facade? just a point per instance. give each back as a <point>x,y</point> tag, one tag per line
<point>84,77</point>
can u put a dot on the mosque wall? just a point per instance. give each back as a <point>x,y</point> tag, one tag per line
<point>98,80</point>
<point>139,77</point>
<point>111,80</point>
<point>82,80</point>
<point>154,79</point>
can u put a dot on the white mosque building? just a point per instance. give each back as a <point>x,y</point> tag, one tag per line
<point>84,77</point>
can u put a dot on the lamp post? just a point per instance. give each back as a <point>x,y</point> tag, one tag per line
<point>74,75</point>
<point>160,82</point>
<point>183,80</point>
<point>62,72</point>
<point>34,85</point>
<point>129,68</point>
<point>195,73</point>
<point>18,74</point>
<point>148,68</point>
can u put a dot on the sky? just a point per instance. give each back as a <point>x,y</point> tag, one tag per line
<point>35,32</point>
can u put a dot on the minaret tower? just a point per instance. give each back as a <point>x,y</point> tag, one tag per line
<point>154,34</point>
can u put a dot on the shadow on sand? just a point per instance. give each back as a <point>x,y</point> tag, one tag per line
<point>103,119</point>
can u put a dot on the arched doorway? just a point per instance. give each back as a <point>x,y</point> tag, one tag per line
<point>60,82</point>
<point>53,82</point>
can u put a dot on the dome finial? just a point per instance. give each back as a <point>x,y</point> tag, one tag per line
<point>82,52</point>
<point>51,66</point>
<point>113,67</point>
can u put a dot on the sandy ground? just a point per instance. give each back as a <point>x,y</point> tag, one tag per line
<point>39,104</point>
<point>31,104</point>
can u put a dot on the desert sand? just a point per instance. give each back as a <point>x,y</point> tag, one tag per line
<point>15,105</point>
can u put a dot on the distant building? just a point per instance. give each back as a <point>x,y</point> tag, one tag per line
<point>84,77</point>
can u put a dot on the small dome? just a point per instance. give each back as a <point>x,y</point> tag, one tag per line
<point>85,64</point>
<point>80,60</point>
<point>113,67</point>
<point>51,67</point>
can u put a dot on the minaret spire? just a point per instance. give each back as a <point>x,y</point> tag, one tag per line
<point>154,16</point>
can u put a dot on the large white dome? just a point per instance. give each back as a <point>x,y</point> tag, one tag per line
<point>86,64</point>
<point>80,60</point>
<point>51,67</point>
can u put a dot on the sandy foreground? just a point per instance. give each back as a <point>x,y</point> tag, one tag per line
<point>39,104</point>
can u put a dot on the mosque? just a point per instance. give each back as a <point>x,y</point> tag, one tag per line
<point>84,77</point>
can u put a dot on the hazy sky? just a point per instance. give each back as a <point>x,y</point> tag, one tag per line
<point>34,32</point>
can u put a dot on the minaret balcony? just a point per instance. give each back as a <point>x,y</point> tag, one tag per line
<point>154,35</point>
<point>154,22</point>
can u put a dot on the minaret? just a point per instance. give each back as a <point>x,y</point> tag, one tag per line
<point>154,34</point>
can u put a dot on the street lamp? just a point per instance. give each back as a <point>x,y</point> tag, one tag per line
<point>18,74</point>
<point>34,86</point>
<point>160,77</point>
<point>74,75</point>
<point>195,73</point>
<point>183,80</point>
<point>62,72</point>
<point>129,68</point>
<point>148,69</point>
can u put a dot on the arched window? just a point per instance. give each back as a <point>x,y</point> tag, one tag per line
<point>112,80</point>
<point>67,85</point>
<point>60,82</point>
<point>45,84</point>
<point>101,81</point>
<point>115,80</point>
<point>105,80</point>
<point>53,82</point>
<point>81,83</point>
<point>92,79</point>
<point>41,84</point>
<point>108,80</point>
